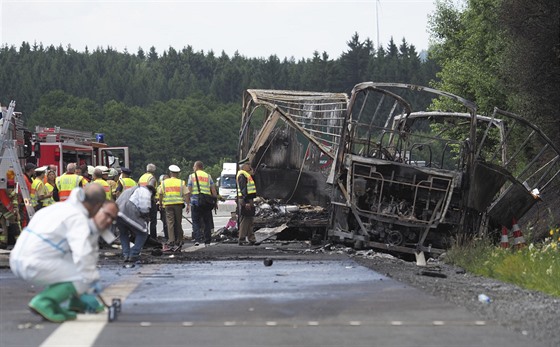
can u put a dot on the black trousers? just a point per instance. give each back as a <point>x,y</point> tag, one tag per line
<point>153,220</point>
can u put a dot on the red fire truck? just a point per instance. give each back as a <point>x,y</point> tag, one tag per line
<point>60,146</point>
<point>15,148</point>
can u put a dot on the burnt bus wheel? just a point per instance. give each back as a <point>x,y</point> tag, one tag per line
<point>358,245</point>
<point>395,238</point>
<point>316,239</point>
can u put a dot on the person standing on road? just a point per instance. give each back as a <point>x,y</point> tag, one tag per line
<point>149,179</point>
<point>66,182</point>
<point>112,180</point>
<point>134,214</point>
<point>246,193</point>
<point>173,193</point>
<point>200,183</point>
<point>28,172</point>
<point>97,177</point>
<point>160,207</point>
<point>56,250</point>
<point>50,184</point>
<point>39,194</point>
<point>85,172</point>
<point>125,182</point>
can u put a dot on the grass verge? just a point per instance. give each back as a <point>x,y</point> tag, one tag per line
<point>535,267</point>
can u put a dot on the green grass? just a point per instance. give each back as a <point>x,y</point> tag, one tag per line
<point>535,267</point>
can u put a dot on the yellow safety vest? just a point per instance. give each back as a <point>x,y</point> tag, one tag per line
<point>127,183</point>
<point>172,190</point>
<point>50,189</point>
<point>251,188</point>
<point>113,184</point>
<point>145,178</point>
<point>106,188</point>
<point>36,188</point>
<point>66,183</point>
<point>203,182</point>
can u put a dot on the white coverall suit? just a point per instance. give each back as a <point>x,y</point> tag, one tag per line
<point>60,244</point>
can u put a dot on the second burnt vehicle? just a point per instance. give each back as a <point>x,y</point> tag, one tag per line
<point>387,171</point>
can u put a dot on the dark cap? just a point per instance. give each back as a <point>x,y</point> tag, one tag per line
<point>126,170</point>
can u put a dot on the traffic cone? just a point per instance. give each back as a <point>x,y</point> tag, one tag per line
<point>504,242</point>
<point>518,239</point>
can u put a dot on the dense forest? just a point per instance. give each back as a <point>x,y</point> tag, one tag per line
<point>179,106</point>
<point>501,53</point>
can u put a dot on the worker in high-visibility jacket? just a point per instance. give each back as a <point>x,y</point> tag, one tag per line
<point>112,178</point>
<point>172,195</point>
<point>246,193</point>
<point>160,207</point>
<point>28,173</point>
<point>201,186</point>
<point>149,179</point>
<point>68,181</point>
<point>125,182</point>
<point>97,177</point>
<point>50,184</point>
<point>39,193</point>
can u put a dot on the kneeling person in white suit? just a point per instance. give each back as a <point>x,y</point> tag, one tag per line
<point>59,250</point>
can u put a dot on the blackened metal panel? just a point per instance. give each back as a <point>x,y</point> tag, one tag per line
<point>513,203</point>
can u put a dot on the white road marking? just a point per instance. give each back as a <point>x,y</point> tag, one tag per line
<point>87,327</point>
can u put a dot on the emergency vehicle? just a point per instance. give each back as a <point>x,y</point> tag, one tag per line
<point>59,146</point>
<point>227,182</point>
<point>15,147</point>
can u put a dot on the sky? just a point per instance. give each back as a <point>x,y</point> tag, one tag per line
<point>255,29</point>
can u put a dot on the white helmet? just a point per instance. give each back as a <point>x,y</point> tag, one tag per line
<point>104,169</point>
<point>174,168</point>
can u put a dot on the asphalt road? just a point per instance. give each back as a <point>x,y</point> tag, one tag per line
<point>224,295</point>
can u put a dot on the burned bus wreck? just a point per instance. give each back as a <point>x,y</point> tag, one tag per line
<point>392,175</point>
<point>290,138</point>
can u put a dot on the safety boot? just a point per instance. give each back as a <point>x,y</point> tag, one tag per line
<point>47,303</point>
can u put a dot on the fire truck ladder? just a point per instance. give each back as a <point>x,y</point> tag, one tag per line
<point>66,135</point>
<point>9,157</point>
